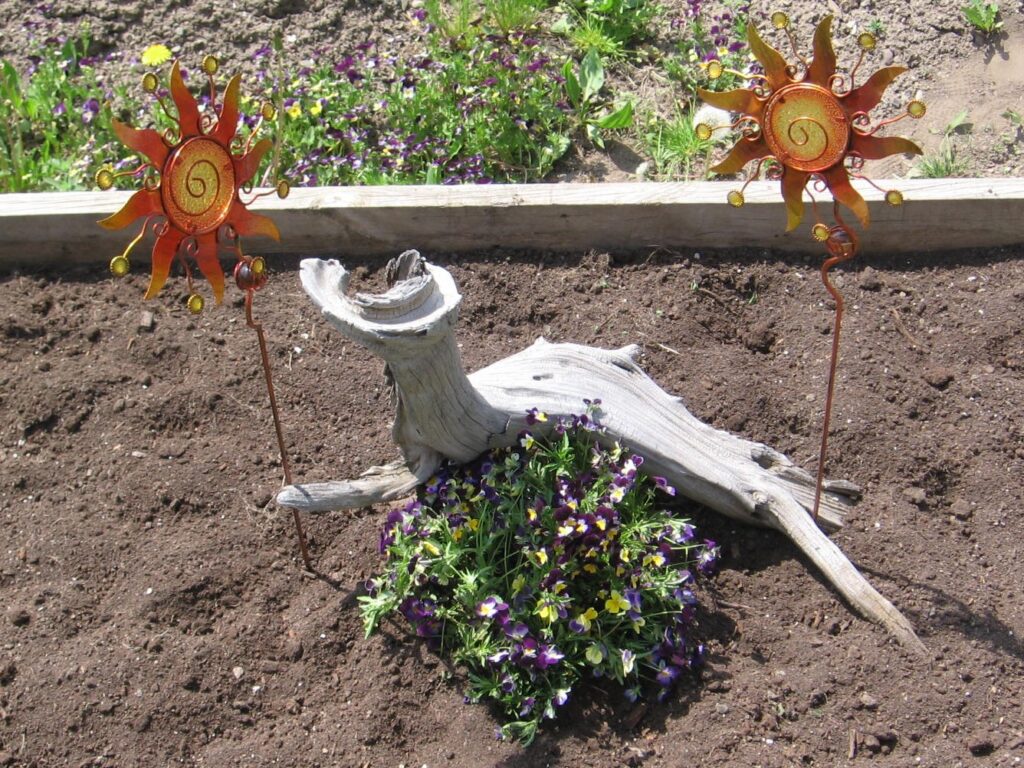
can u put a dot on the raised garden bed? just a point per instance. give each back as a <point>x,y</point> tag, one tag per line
<point>156,612</point>
<point>154,608</point>
<point>939,214</point>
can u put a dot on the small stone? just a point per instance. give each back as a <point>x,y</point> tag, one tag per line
<point>870,743</point>
<point>818,698</point>
<point>888,57</point>
<point>19,617</point>
<point>938,376</point>
<point>237,672</point>
<point>759,337</point>
<point>294,650</point>
<point>868,702</point>
<point>138,454</point>
<point>916,496</point>
<point>961,509</point>
<point>869,280</point>
<point>981,744</point>
<point>93,333</point>
<point>120,405</point>
<point>147,322</point>
<point>722,708</point>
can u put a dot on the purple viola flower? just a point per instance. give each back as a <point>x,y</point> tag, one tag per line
<point>537,64</point>
<point>90,109</point>
<point>684,596</point>
<point>707,560</point>
<point>561,697</point>
<point>528,704</point>
<point>60,109</point>
<point>634,597</point>
<point>548,656</point>
<point>499,657</point>
<point>632,694</point>
<point>526,651</point>
<point>662,484</point>
<point>491,607</point>
<point>667,674</point>
<point>508,684</point>
<point>517,631</point>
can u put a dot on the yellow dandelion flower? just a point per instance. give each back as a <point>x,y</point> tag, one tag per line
<point>156,55</point>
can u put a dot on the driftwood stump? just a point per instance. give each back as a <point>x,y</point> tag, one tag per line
<point>441,413</point>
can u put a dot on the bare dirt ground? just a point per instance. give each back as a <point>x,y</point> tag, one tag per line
<point>153,609</point>
<point>156,613</point>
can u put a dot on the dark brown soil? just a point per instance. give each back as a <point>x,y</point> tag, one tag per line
<point>155,613</point>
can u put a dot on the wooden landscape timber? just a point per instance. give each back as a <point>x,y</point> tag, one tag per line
<point>440,412</point>
<point>939,214</point>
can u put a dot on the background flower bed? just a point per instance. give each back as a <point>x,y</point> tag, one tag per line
<point>385,92</point>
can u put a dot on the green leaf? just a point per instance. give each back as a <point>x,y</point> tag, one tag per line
<point>558,145</point>
<point>591,74</point>
<point>572,84</point>
<point>561,26</point>
<point>594,134</point>
<point>620,118</point>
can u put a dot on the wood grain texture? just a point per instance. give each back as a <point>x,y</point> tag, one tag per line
<point>939,214</point>
<point>440,412</point>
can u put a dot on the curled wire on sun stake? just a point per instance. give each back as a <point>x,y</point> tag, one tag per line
<point>814,123</point>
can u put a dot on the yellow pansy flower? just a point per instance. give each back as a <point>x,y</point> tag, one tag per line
<point>616,603</point>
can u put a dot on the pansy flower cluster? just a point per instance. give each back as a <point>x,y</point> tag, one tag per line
<point>704,37</point>
<point>489,111</point>
<point>545,564</point>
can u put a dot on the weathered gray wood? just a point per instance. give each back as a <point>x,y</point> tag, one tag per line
<point>443,413</point>
<point>939,214</point>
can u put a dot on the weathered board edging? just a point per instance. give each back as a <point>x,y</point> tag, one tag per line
<point>939,214</point>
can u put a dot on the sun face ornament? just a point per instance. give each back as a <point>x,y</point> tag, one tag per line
<point>807,122</point>
<point>193,178</point>
<point>811,120</point>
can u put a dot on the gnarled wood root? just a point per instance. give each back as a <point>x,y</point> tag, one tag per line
<point>443,413</point>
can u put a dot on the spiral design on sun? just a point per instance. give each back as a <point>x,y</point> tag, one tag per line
<point>808,134</point>
<point>806,128</point>
<point>199,186</point>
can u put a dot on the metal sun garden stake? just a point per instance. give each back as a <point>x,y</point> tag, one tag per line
<point>803,123</point>
<point>193,178</point>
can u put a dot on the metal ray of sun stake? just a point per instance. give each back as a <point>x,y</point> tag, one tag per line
<point>193,177</point>
<point>806,122</point>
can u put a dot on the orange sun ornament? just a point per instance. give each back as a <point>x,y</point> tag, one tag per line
<point>193,178</point>
<point>813,123</point>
